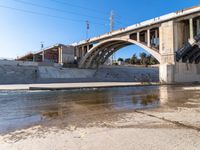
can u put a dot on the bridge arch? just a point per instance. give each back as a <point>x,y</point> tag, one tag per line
<point>103,50</point>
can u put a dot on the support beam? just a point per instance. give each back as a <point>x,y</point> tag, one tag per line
<point>34,60</point>
<point>60,55</point>
<point>138,36</point>
<point>145,36</point>
<point>198,26</point>
<point>148,38</point>
<point>156,36</point>
<point>43,56</point>
<point>191,29</point>
<point>88,47</point>
<point>82,51</point>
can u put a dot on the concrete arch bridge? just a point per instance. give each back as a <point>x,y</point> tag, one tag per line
<point>173,39</point>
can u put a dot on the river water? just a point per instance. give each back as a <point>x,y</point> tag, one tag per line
<point>20,109</point>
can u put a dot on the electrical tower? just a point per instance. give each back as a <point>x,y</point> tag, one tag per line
<point>42,48</point>
<point>87,28</point>
<point>112,23</point>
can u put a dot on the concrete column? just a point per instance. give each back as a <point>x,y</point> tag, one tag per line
<point>33,58</point>
<point>88,48</point>
<point>43,55</point>
<point>156,36</point>
<point>153,39</point>
<point>145,36</point>
<point>167,51</point>
<point>148,38</point>
<point>198,26</point>
<point>138,36</point>
<point>60,55</point>
<point>82,51</point>
<point>191,28</point>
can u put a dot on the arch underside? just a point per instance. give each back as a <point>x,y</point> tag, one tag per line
<point>101,52</point>
<point>189,52</point>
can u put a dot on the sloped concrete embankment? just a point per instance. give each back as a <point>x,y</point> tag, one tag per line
<point>127,74</point>
<point>16,73</point>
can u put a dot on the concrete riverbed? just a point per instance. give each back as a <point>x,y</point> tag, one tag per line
<point>150,117</point>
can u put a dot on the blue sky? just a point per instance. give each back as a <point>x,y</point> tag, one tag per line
<point>63,21</point>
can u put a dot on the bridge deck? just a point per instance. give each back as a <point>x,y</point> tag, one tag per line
<point>143,24</point>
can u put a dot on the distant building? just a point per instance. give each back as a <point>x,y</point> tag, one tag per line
<point>121,63</point>
<point>61,54</point>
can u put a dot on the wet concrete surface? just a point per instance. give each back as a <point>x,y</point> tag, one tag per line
<point>112,107</point>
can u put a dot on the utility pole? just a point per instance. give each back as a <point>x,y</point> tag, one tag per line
<point>87,28</point>
<point>42,46</point>
<point>112,23</point>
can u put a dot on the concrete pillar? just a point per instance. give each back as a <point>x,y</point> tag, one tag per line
<point>148,38</point>
<point>60,55</point>
<point>82,51</point>
<point>191,28</point>
<point>153,39</point>
<point>88,48</point>
<point>156,37</point>
<point>198,26</point>
<point>79,52</point>
<point>145,36</point>
<point>138,36</point>
<point>33,58</point>
<point>43,55</point>
<point>167,52</point>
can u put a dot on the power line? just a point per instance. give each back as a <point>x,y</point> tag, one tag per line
<point>47,15</point>
<point>78,6</point>
<point>93,10</point>
<point>118,19</point>
<point>59,10</point>
<point>123,24</point>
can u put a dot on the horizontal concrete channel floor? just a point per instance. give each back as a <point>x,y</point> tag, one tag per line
<point>68,86</point>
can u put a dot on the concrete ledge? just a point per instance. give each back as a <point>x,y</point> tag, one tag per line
<point>69,86</point>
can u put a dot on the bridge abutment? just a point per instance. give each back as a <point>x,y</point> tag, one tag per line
<point>173,35</point>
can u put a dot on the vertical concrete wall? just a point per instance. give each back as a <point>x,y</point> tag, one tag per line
<point>184,72</point>
<point>173,35</point>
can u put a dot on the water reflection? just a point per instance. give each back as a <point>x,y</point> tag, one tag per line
<point>19,109</point>
<point>150,99</point>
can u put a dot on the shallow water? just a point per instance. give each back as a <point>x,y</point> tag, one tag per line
<point>21,109</point>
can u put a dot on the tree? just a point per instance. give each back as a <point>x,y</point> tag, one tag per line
<point>151,60</point>
<point>134,59</point>
<point>120,59</point>
<point>128,60</point>
<point>143,58</point>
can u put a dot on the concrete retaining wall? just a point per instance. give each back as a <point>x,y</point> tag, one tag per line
<point>125,74</point>
<point>12,72</point>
